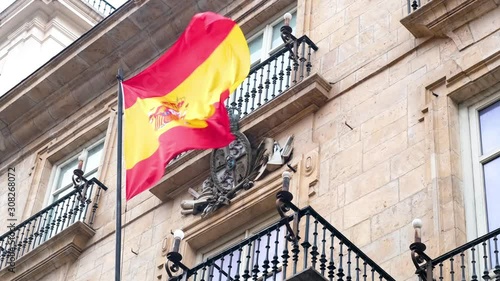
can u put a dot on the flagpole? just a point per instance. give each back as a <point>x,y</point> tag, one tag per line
<point>118,231</point>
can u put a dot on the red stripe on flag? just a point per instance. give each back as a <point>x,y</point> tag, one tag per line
<point>192,48</point>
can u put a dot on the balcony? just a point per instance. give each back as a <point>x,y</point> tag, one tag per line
<point>101,6</point>
<point>52,236</point>
<point>475,260</point>
<point>272,77</point>
<point>319,252</point>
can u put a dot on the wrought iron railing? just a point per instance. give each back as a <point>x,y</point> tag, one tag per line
<point>413,5</point>
<point>48,222</point>
<point>272,77</point>
<point>475,260</point>
<point>269,255</point>
<point>101,6</point>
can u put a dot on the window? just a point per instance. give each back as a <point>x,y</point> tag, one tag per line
<point>482,136</point>
<point>252,258</point>
<point>264,42</point>
<point>62,183</point>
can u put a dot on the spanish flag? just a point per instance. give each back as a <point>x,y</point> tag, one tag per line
<point>176,104</point>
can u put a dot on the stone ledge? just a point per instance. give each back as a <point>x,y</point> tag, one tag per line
<point>300,100</point>
<point>439,17</point>
<point>460,92</point>
<point>64,247</point>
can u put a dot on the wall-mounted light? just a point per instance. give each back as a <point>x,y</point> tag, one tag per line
<point>422,262</point>
<point>175,258</point>
<point>286,181</point>
<point>178,236</point>
<point>287,17</point>
<point>81,159</point>
<point>290,41</point>
<point>417,226</point>
<point>284,203</point>
<point>80,182</point>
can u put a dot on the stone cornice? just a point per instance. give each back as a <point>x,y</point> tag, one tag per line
<point>438,17</point>
<point>475,79</point>
<point>39,21</point>
<point>17,15</point>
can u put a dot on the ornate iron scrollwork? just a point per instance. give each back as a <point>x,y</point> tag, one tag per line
<point>422,262</point>
<point>174,265</point>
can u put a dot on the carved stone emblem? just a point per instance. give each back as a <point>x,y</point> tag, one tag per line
<point>235,168</point>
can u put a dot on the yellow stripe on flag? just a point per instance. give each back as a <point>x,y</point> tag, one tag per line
<point>210,77</point>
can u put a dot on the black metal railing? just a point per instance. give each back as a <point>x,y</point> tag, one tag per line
<point>476,260</point>
<point>269,255</point>
<point>101,6</point>
<point>48,222</point>
<point>272,77</point>
<point>413,5</point>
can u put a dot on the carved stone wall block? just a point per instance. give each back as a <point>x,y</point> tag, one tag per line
<point>305,181</point>
<point>310,170</point>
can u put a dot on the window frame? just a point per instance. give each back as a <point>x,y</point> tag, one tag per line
<point>473,160</point>
<point>266,31</point>
<point>52,192</point>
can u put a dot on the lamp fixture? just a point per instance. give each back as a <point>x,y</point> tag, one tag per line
<point>81,158</point>
<point>82,184</point>
<point>284,204</point>
<point>287,17</point>
<point>421,261</point>
<point>291,42</point>
<point>174,258</point>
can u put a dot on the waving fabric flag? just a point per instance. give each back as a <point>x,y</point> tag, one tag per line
<point>176,104</point>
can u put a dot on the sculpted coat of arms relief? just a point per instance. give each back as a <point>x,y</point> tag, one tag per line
<point>235,168</point>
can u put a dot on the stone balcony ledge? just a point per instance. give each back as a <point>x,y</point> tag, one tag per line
<point>64,247</point>
<point>438,18</point>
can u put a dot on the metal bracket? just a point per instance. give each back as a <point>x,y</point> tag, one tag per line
<point>422,262</point>
<point>82,185</point>
<point>283,205</point>
<point>174,265</point>
<point>291,42</point>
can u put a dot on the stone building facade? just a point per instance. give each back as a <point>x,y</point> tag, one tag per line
<point>393,119</point>
<point>34,31</point>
